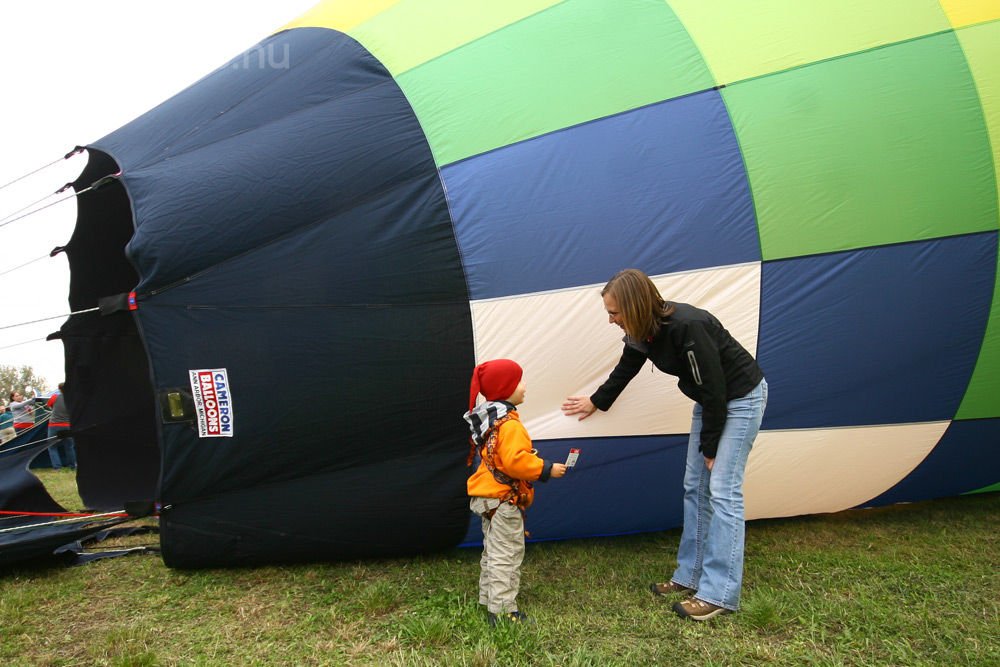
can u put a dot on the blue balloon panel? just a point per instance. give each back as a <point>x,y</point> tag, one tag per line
<point>967,458</point>
<point>662,188</point>
<point>644,474</point>
<point>838,339</point>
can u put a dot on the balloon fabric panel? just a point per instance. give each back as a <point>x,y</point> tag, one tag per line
<point>987,489</point>
<point>282,76</point>
<point>669,176</point>
<point>558,68</point>
<point>966,458</point>
<point>288,162</point>
<point>981,44</point>
<point>969,12</point>
<point>832,469</point>
<point>876,148</point>
<point>331,514</point>
<point>564,349</point>
<point>341,15</point>
<point>743,40</point>
<point>982,398</point>
<point>412,32</point>
<point>331,274</point>
<point>837,342</point>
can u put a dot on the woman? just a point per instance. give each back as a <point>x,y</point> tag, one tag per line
<point>23,410</point>
<point>730,394</point>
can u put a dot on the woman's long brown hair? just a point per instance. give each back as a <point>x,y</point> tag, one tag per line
<point>642,308</point>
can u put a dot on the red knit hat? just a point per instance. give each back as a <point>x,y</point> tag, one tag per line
<point>496,380</point>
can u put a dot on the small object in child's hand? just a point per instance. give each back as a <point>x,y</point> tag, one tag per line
<point>574,454</point>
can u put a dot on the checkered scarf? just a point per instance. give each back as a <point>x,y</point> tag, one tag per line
<point>482,418</point>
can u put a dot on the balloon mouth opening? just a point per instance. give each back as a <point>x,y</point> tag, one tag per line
<point>108,383</point>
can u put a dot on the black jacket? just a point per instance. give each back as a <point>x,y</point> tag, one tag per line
<point>711,367</point>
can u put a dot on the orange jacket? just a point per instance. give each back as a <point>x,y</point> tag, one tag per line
<point>514,457</point>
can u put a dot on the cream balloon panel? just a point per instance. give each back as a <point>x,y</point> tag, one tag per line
<point>827,470</point>
<point>567,347</point>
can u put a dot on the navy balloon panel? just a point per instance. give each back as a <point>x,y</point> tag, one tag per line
<point>382,150</point>
<point>662,187</point>
<point>395,247</point>
<point>253,89</point>
<point>302,241</point>
<point>312,142</point>
<point>19,488</point>
<point>837,339</point>
<point>967,458</point>
<point>343,512</point>
<point>644,474</point>
<point>310,390</point>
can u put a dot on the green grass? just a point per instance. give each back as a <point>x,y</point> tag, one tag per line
<point>909,585</point>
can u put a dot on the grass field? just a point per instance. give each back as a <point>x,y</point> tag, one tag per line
<point>909,585</point>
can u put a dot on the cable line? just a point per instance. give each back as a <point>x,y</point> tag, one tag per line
<point>28,444</point>
<point>35,203</point>
<point>24,342</point>
<point>73,520</point>
<point>99,183</point>
<point>76,151</point>
<point>21,266</point>
<point>54,317</point>
<point>58,201</point>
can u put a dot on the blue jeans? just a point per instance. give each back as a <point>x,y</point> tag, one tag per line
<point>64,446</point>
<point>710,556</point>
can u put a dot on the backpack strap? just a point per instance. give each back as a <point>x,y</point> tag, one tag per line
<point>513,496</point>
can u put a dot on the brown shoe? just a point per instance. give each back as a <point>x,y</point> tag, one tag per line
<point>698,610</point>
<point>670,588</point>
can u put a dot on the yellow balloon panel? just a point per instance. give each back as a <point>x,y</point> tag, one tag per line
<point>968,12</point>
<point>340,15</point>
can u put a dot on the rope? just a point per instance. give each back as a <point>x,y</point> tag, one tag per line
<point>58,201</point>
<point>24,342</point>
<point>29,444</point>
<point>77,514</point>
<point>87,517</point>
<point>46,319</point>
<point>35,203</point>
<point>99,183</point>
<point>37,259</point>
<point>75,151</point>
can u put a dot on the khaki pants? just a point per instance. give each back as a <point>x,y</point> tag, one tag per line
<point>503,552</point>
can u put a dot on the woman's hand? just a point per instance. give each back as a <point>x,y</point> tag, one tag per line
<point>578,405</point>
<point>558,470</point>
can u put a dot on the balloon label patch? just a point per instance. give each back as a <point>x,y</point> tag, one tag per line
<point>212,402</point>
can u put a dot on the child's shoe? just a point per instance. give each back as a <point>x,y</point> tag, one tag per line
<point>510,616</point>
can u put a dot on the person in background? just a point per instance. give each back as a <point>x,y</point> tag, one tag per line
<point>7,431</point>
<point>730,395</point>
<point>62,452</point>
<point>22,409</point>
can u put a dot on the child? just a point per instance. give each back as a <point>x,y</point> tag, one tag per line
<point>501,487</point>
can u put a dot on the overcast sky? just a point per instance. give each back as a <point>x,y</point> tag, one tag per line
<point>73,72</point>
